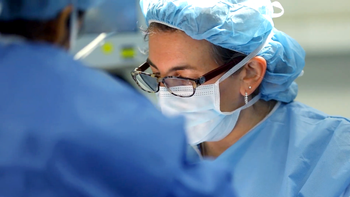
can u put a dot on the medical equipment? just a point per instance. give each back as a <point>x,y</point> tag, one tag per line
<point>111,37</point>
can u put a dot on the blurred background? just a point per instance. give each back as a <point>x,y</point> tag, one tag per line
<point>321,27</point>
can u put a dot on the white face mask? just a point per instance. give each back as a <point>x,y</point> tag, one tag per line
<point>204,119</point>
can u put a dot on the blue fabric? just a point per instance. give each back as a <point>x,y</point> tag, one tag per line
<point>297,151</point>
<point>238,25</point>
<point>69,130</point>
<point>40,9</point>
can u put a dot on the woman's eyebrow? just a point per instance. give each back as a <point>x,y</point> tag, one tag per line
<point>175,68</point>
<point>151,63</point>
<point>181,67</point>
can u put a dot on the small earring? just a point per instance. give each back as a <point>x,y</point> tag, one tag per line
<point>250,87</point>
<point>246,98</point>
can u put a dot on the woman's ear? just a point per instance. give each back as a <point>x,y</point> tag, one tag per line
<point>252,74</point>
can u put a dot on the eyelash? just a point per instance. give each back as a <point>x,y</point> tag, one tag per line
<point>175,75</point>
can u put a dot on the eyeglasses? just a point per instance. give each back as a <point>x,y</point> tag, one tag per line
<point>150,82</point>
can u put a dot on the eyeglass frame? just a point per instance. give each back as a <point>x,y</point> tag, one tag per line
<point>197,82</point>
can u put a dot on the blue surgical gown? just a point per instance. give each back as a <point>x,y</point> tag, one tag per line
<point>296,151</point>
<point>69,130</point>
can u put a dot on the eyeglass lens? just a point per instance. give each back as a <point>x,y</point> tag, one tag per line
<point>177,86</point>
<point>147,82</point>
<point>180,87</point>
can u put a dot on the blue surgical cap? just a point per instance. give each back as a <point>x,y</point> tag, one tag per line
<point>39,9</point>
<point>238,25</point>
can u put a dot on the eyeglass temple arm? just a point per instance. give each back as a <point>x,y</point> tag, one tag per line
<point>219,70</point>
<point>143,67</point>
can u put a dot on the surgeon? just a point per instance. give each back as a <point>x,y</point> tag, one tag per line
<point>69,130</point>
<point>224,66</point>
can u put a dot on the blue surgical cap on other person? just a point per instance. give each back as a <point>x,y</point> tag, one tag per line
<point>238,25</point>
<point>39,9</point>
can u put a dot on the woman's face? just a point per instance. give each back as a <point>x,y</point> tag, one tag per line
<point>176,54</point>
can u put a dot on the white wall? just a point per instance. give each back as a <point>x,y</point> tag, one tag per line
<point>323,29</point>
<point>320,26</point>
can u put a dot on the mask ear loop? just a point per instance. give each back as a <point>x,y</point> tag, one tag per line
<point>278,5</point>
<point>246,59</point>
<point>73,26</point>
<point>238,66</point>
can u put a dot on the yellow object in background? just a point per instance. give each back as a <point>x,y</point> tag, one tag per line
<point>107,48</point>
<point>128,52</point>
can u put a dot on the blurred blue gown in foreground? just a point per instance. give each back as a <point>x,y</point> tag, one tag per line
<point>69,130</point>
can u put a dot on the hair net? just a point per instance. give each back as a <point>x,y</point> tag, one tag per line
<point>39,9</point>
<point>239,25</point>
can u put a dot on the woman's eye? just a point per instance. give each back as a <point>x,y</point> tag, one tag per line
<point>178,74</point>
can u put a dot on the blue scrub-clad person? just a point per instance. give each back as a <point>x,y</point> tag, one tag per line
<point>69,130</point>
<point>223,65</point>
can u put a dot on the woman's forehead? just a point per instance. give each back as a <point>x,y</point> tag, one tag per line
<point>177,48</point>
<point>177,39</point>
